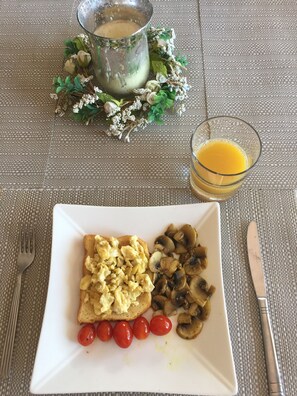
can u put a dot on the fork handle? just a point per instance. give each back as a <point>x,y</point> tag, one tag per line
<point>11,328</point>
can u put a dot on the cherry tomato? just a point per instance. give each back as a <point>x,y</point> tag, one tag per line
<point>141,328</point>
<point>86,334</point>
<point>160,325</point>
<point>104,331</point>
<point>123,334</point>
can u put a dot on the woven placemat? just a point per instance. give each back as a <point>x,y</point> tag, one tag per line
<point>278,250</point>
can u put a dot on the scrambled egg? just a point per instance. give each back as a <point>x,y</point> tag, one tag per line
<point>117,275</point>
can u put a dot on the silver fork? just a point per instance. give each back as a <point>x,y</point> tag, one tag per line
<point>25,258</point>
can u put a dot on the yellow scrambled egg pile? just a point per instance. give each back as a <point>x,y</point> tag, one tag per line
<point>117,275</point>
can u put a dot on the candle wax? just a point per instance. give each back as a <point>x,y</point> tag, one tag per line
<point>117,29</point>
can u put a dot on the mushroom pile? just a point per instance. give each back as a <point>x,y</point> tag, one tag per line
<point>176,266</point>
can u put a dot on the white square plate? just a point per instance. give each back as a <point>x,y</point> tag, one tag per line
<point>166,364</point>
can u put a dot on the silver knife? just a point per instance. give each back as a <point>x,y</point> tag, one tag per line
<point>274,381</point>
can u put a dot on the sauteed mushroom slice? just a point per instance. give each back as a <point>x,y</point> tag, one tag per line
<point>160,286</point>
<point>187,236</point>
<point>183,257</point>
<point>165,244</point>
<point>154,261</point>
<point>158,302</point>
<point>189,331</point>
<point>199,290</point>
<point>193,266</point>
<point>200,251</point>
<point>194,309</point>
<point>180,249</point>
<point>171,231</point>
<point>180,279</point>
<point>178,297</point>
<point>205,311</point>
<point>190,235</point>
<point>184,318</point>
<point>179,237</point>
<point>168,265</point>
<point>169,308</point>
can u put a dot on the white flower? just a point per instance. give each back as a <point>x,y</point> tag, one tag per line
<point>70,66</point>
<point>136,105</point>
<point>111,108</point>
<point>54,96</point>
<point>162,79</point>
<point>83,58</point>
<point>97,90</point>
<point>181,109</point>
<point>153,85</point>
<point>145,106</point>
<point>140,91</point>
<point>151,98</point>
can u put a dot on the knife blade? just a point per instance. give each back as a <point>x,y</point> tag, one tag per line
<point>275,385</point>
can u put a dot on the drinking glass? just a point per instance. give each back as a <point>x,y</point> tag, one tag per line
<point>235,144</point>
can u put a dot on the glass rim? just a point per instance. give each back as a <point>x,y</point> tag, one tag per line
<point>227,174</point>
<point>109,38</point>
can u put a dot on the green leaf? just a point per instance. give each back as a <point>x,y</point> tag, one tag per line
<point>59,89</point>
<point>166,35</point>
<point>70,48</point>
<point>78,85</point>
<point>104,97</point>
<point>182,60</point>
<point>159,67</point>
<point>80,45</point>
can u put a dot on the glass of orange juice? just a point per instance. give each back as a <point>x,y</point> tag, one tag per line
<point>224,151</point>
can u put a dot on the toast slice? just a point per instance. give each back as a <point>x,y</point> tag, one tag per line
<point>86,312</point>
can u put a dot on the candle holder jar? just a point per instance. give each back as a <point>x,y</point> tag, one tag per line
<point>117,30</point>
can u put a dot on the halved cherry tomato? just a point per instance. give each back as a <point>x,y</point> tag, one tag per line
<point>160,325</point>
<point>104,331</point>
<point>86,334</point>
<point>141,328</point>
<point>123,334</point>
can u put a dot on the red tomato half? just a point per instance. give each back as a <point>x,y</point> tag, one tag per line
<point>141,328</point>
<point>123,334</point>
<point>160,325</point>
<point>86,334</point>
<point>104,331</point>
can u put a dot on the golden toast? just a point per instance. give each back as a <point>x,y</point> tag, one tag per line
<point>114,288</point>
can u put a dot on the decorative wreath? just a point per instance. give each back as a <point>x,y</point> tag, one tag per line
<point>162,92</point>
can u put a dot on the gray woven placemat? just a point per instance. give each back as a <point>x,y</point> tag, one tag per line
<point>278,250</point>
<point>243,63</point>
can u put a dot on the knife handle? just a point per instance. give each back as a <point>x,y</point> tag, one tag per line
<point>274,381</point>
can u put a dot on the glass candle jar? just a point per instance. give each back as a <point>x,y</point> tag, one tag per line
<point>117,30</point>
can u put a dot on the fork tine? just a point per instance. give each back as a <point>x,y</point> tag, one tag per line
<point>21,240</point>
<point>32,244</point>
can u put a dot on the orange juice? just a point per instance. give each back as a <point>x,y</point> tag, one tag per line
<point>222,156</point>
<point>226,160</point>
